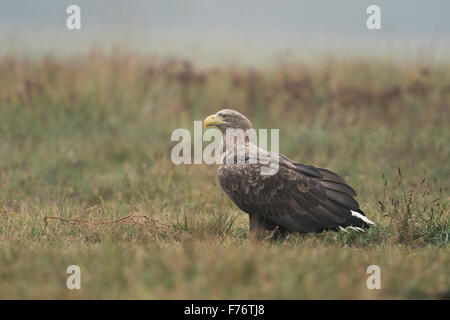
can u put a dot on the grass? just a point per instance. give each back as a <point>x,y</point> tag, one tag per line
<point>88,138</point>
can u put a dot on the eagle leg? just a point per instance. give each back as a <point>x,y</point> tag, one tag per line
<point>261,227</point>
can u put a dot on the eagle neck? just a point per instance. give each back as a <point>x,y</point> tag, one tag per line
<point>234,146</point>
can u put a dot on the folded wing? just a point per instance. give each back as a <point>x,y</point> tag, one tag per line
<point>298,197</point>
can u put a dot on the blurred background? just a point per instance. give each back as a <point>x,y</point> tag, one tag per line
<point>230,31</point>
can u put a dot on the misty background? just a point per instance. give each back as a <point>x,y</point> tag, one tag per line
<point>229,31</point>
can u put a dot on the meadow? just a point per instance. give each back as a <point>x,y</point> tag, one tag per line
<point>86,139</point>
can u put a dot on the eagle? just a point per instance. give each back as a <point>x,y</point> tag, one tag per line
<point>296,198</point>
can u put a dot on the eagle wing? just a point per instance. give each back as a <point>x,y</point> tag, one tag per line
<point>298,197</point>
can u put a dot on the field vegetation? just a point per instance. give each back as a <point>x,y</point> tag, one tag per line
<point>86,139</point>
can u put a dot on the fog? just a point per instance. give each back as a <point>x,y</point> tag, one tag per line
<point>228,30</point>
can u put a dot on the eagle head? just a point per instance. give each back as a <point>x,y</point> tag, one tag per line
<point>228,118</point>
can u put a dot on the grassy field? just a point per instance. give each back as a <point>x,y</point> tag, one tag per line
<point>88,138</point>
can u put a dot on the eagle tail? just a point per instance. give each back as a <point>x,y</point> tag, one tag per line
<point>358,221</point>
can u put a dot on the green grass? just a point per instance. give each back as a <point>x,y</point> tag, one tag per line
<point>89,138</point>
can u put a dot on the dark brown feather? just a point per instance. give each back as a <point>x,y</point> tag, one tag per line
<point>345,188</point>
<point>298,197</point>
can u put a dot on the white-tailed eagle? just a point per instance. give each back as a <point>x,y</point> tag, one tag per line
<point>297,198</point>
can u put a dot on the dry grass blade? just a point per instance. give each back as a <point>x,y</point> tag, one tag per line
<point>90,222</point>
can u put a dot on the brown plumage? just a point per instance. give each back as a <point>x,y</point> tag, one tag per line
<point>298,198</point>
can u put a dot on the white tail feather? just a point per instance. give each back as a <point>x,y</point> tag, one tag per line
<point>343,229</point>
<point>363,218</point>
<point>358,229</point>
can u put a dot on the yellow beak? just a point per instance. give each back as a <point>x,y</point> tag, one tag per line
<point>212,120</point>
